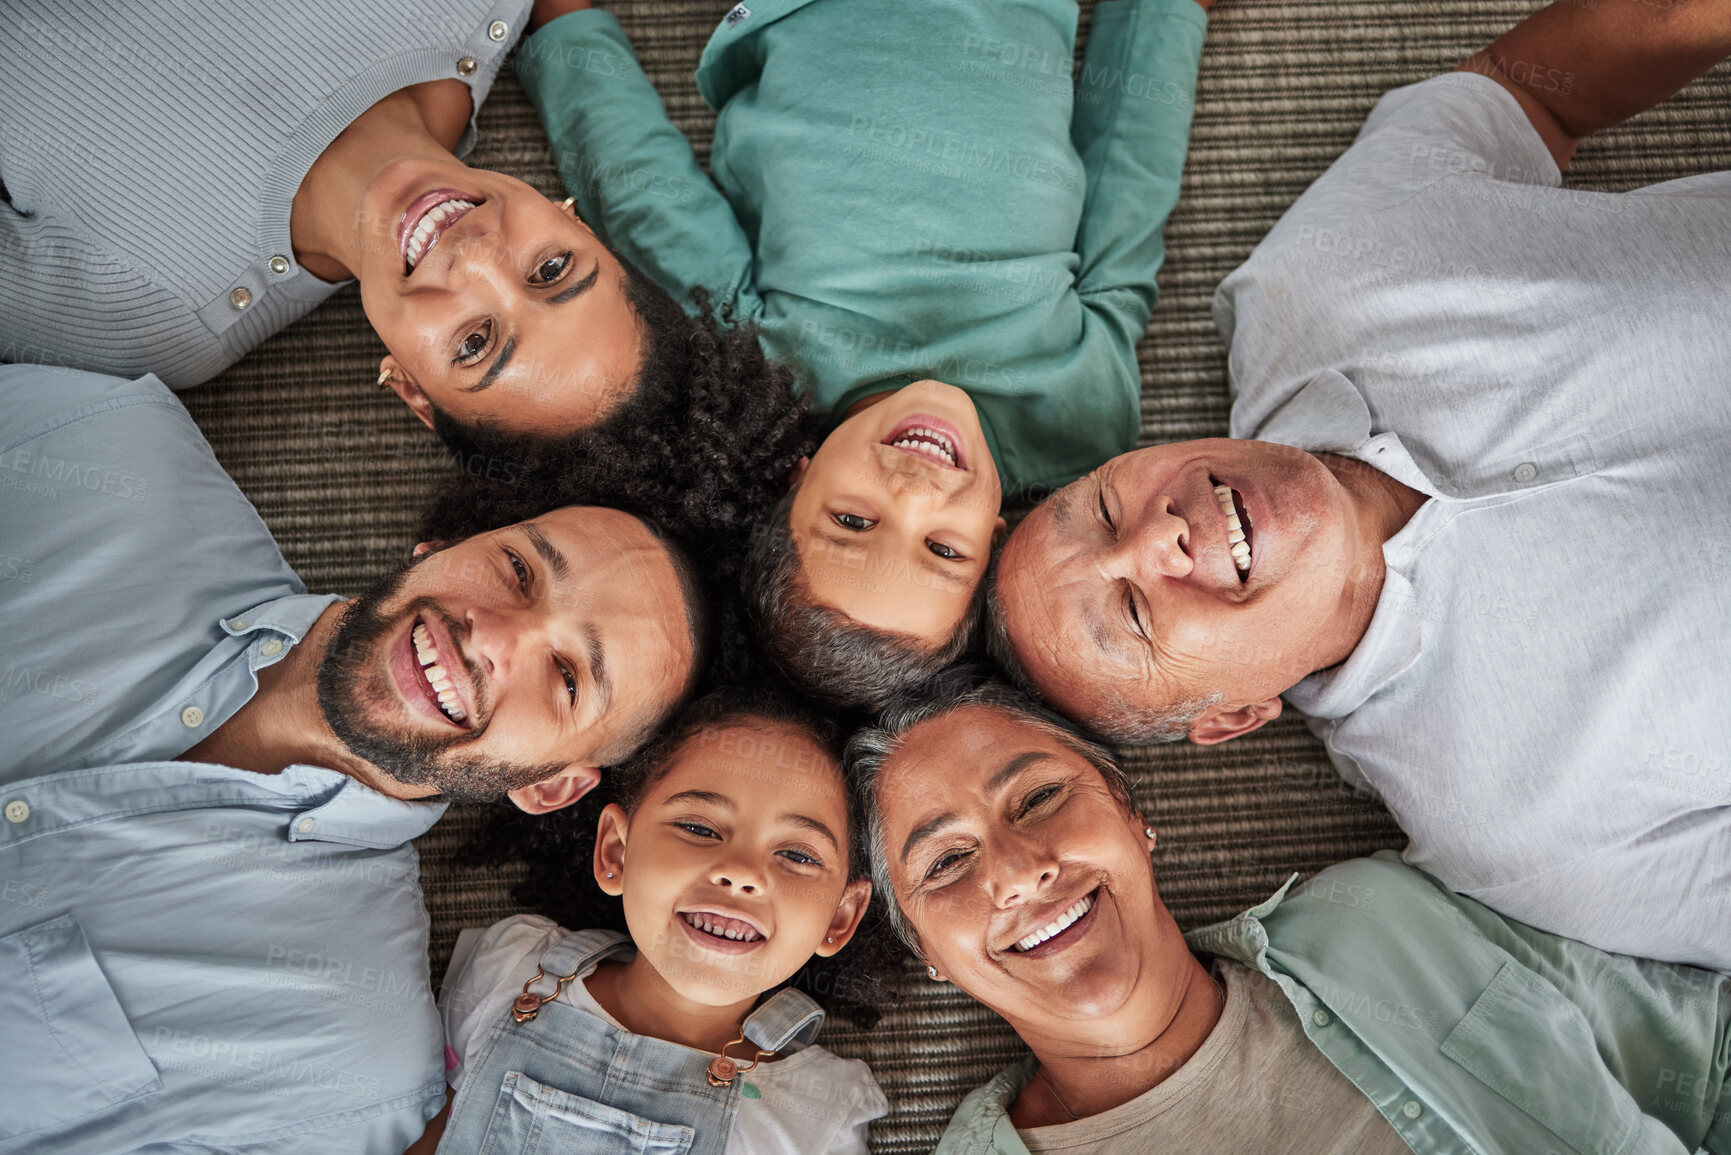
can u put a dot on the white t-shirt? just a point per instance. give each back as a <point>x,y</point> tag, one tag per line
<point>810,1102</point>
<point>1543,696</point>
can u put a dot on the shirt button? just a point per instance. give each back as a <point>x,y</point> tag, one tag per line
<point>1320,1018</point>
<point>466,66</point>
<point>271,648</point>
<point>192,717</point>
<point>279,265</point>
<point>1411,1109</point>
<point>497,29</point>
<point>240,298</point>
<point>305,825</point>
<point>1526,471</point>
<point>17,810</point>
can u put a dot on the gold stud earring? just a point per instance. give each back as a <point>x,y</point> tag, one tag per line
<point>569,205</point>
<point>386,376</point>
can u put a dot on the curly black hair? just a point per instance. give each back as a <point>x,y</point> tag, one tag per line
<point>703,447</point>
<point>559,848</point>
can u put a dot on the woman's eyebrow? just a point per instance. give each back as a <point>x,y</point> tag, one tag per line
<point>577,289</point>
<point>504,358</point>
<point>496,368</point>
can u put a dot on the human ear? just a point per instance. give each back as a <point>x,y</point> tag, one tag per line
<point>422,549</point>
<point>798,474</point>
<point>846,920</point>
<point>557,792</point>
<point>1000,530</point>
<point>1218,726</point>
<point>394,377</point>
<point>609,859</point>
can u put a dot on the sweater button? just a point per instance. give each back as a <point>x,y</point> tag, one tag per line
<point>240,298</point>
<point>497,29</point>
<point>466,66</point>
<point>279,265</point>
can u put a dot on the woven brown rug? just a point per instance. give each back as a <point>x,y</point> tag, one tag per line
<point>340,473</point>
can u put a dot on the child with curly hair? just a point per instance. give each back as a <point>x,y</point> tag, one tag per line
<point>730,845</point>
<point>903,192</point>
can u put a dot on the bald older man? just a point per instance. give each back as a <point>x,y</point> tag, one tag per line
<point>1473,518</point>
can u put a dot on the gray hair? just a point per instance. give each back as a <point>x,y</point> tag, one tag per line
<point>822,650</point>
<point>1118,720</point>
<point>871,749</point>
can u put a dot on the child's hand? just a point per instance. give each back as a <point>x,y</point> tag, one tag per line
<point>545,10</point>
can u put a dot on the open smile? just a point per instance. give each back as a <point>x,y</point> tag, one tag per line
<point>726,933</point>
<point>1240,534</point>
<point>429,671</point>
<point>1061,932</point>
<point>426,220</point>
<point>930,438</point>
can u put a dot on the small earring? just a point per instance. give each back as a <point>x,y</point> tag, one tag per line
<point>828,939</point>
<point>1148,831</point>
<point>569,205</point>
<point>932,973</point>
<point>385,378</point>
<point>609,874</point>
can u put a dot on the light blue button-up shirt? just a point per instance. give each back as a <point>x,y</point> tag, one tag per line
<point>191,955</point>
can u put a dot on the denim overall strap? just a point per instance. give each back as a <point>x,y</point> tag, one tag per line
<point>788,1021</point>
<point>569,1081</point>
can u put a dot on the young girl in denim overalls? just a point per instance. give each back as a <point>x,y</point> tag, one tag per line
<point>730,846</point>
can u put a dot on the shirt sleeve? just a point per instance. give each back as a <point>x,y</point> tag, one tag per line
<point>633,174</point>
<point>64,301</point>
<point>1131,127</point>
<point>485,978</point>
<point>868,1104</point>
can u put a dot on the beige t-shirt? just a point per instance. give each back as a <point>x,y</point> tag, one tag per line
<point>1256,1084</point>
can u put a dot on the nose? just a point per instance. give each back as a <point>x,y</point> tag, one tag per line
<point>1021,871</point>
<point>738,874</point>
<point>1155,546</point>
<point>496,637</point>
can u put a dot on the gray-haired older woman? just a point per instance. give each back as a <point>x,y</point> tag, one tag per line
<point>1370,1010</point>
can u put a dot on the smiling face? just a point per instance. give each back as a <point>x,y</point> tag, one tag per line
<point>734,864</point>
<point>1127,586</point>
<point>497,306</point>
<point>1028,882</point>
<point>546,648</point>
<point>896,515</point>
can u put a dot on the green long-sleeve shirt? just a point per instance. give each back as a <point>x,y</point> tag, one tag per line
<point>906,190</point>
<point>1471,1033</point>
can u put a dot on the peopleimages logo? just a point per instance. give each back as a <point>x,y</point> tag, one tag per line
<point>44,476</point>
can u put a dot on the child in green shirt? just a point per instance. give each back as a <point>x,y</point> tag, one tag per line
<point>903,192</point>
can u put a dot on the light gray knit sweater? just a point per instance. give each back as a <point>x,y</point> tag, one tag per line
<point>151,151</point>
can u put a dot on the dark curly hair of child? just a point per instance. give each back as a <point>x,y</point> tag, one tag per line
<point>559,847</point>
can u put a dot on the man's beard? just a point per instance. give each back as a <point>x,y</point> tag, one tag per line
<point>354,674</point>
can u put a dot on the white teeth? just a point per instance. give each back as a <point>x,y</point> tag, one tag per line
<point>1235,536</point>
<point>714,925</point>
<point>426,229</point>
<point>1059,924</point>
<point>929,442</point>
<point>428,656</point>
